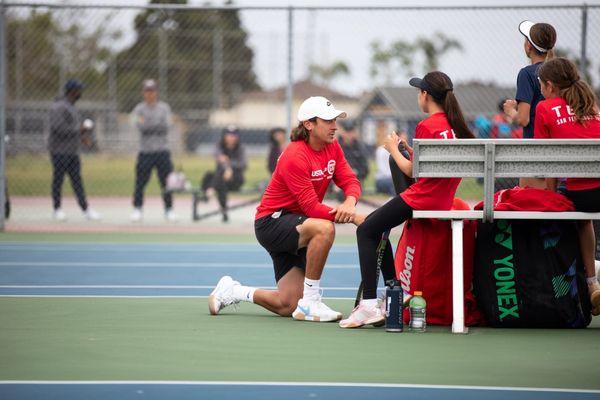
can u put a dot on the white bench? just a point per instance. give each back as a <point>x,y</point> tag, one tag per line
<point>499,158</point>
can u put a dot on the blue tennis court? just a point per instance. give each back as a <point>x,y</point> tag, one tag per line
<point>50,293</point>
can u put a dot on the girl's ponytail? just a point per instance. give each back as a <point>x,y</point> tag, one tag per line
<point>455,117</point>
<point>581,98</point>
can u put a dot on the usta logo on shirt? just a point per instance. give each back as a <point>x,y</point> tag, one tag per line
<point>320,173</point>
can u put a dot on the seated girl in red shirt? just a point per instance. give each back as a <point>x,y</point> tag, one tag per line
<point>445,121</point>
<point>570,111</point>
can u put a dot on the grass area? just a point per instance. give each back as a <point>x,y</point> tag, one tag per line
<point>176,339</point>
<point>110,175</point>
<point>113,175</point>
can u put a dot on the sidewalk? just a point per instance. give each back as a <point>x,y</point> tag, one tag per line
<point>34,214</point>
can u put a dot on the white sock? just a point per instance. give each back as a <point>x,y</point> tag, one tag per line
<point>311,288</point>
<point>592,281</point>
<point>370,303</point>
<point>244,293</point>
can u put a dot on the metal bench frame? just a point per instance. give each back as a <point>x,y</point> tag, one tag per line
<point>499,158</point>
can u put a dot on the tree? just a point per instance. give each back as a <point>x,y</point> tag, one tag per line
<point>391,62</point>
<point>433,49</point>
<point>399,58</point>
<point>43,53</point>
<point>200,58</point>
<point>324,74</point>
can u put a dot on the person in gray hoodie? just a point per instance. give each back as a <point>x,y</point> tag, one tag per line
<point>66,134</point>
<point>153,119</point>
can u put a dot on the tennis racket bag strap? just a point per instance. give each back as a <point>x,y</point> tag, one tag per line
<point>423,262</point>
<point>528,274</point>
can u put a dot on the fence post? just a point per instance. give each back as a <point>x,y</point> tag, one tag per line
<point>584,22</point>
<point>217,72</point>
<point>289,93</point>
<point>2,112</point>
<point>163,63</point>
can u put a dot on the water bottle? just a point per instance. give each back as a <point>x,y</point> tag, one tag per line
<point>417,313</point>
<point>393,306</point>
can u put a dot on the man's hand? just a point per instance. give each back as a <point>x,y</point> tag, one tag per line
<point>345,212</point>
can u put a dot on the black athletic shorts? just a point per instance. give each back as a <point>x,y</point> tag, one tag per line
<point>278,235</point>
<point>585,200</point>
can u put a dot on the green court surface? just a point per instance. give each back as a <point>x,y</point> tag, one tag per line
<point>61,338</point>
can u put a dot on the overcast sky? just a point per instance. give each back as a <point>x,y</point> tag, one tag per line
<point>491,44</point>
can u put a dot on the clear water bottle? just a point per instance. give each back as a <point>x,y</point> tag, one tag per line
<point>417,307</point>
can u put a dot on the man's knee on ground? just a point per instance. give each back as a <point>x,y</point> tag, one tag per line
<point>287,307</point>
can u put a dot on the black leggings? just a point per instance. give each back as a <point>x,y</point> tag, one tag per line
<point>368,235</point>
<point>67,164</point>
<point>161,160</point>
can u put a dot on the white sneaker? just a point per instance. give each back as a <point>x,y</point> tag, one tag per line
<point>136,215</point>
<point>315,310</point>
<point>92,215</point>
<point>171,216</point>
<point>60,215</point>
<point>222,295</point>
<point>363,315</point>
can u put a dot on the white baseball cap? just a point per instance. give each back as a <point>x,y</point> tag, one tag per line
<point>525,29</point>
<point>318,106</point>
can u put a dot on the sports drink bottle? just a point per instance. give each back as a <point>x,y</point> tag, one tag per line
<point>417,307</point>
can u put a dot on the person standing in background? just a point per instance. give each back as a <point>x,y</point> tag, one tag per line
<point>277,144</point>
<point>66,131</point>
<point>540,39</point>
<point>153,119</point>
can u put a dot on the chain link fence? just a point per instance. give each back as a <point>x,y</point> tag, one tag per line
<point>251,68</point>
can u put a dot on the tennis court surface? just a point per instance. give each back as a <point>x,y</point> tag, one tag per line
<point>130,321</point>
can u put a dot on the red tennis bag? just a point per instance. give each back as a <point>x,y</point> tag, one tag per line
<point>424,263</point>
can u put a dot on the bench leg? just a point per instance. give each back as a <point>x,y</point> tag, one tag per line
<point>458,311</point>
<point>195,200</point>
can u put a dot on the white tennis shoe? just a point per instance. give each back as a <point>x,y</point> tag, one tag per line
<point>60,215</point>
<point>222,295</point>
<point>136,215</point>
<point>364,315</point>
<point>315,310</point>
<point>92,215</point>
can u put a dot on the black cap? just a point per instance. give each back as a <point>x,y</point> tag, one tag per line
<point>73,84</point>
<point>423,84</point>
<point>231,129</point>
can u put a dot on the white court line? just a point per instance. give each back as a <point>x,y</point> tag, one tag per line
<point>157,247</point>
<point>78,264</point>
<point>319,384</point>
<point>136,287</point>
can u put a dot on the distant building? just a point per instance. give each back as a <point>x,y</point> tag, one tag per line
<point>395,108</point>
<point>265,109</point>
